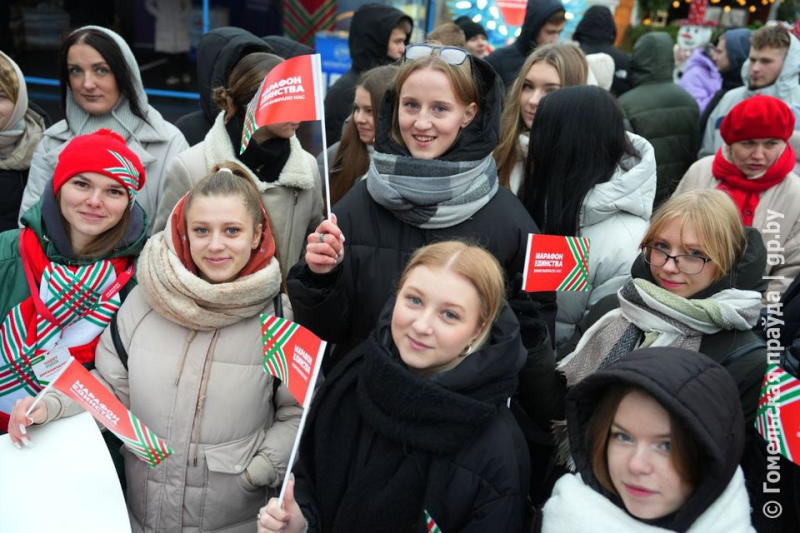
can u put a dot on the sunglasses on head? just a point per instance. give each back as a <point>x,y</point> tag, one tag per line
<point>449,54</point>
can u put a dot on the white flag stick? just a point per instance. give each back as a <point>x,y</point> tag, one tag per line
<point>321,114</point>
<point>306,408</point>
<point>48,387</point>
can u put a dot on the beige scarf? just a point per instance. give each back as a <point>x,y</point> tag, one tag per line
<point>185,299</point>
<point>21,152</point>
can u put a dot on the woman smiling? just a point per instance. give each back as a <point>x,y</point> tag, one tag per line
<point>66,273</point>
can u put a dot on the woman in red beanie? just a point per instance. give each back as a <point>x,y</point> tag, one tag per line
<point>755,167</point>
<point>66,272</point>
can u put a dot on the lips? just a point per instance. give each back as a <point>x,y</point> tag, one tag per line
<point>216,261</point>
<point>416,345</point>
<point>91,217</point>
<point>670,284</point>
<point>638,492</point>
<point>424,140</point>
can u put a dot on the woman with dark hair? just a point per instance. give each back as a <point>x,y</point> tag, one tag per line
<point>284,173</point>
<point>587,177</point>
<point>101,88</point>
<point>656,439</point>
<point>349,158</point>
<point>65,274</point>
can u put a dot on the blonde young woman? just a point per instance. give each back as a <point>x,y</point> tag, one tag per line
<point>194,373</point>
<point>413,427</point>
<point>547,69</point>
<point>21,128</point>
<point>285,174</point>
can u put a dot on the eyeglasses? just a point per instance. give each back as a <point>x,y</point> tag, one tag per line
<point>688,264</point>
<point>449,54</point>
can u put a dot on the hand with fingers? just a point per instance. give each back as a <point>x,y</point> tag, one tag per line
<point>287,519</point>
<point>18,421</point>
<point>325,247</point>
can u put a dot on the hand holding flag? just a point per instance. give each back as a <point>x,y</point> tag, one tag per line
<point>293,355</point>
<point>84,389</point>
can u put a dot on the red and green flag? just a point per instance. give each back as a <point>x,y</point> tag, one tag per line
<point>302,19</point>
<point>556,263</point>
<point>778,412</point>
<point>430,525</point>
<point>84,389</point>
<point>290,92</point>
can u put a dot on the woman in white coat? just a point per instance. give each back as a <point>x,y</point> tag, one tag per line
<point>286,175</point>
<point>587,177</point>
<point>101,88</point>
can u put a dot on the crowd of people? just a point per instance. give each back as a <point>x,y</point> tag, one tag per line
<point>451,399</point>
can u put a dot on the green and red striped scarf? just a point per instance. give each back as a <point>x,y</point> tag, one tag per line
<point>82,299</point>
<point>302,19</point>
<point>778,413</point>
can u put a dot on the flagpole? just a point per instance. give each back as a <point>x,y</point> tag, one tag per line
<point>321,107</point>
<point>306,408</point>
<point>48,387</point>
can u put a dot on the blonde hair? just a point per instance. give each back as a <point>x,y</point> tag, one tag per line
<point>572,68</point>
<point>465,88</point>
<point>473,263</point>
<point>715,219</point>
<point>243,83</point>
<point>448,34</point>
<point>9,82</point>
<point>229,179</point>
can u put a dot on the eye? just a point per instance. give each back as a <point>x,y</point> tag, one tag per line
<point>620,436</point>
<point>449,315</point>
<point>74,71</point>
<point>199,230</point>
<point>661,246</point>
<point>80,184</point>
<point>527,86</point>
<point>233,231</point>
<point>102,71</point>
<point>665,446</point>
<point>440,109</point>
<point>411,105</point>
<point>116,192</point>
<point>414,300</point>
<point>697,253</point>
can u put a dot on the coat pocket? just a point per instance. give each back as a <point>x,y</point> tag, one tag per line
<point>227,497</point>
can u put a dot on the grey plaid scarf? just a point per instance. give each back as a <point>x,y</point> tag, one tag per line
<point>430,193</point>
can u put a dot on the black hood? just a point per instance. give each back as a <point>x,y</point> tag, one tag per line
<point>746,275</point>
<point>737,44</point>
<point>370,29</point>
<point>477,140</point>
<point>596,27</point>
<point>696,391</point>
<point>499,359</point>
<point>537,13</point>
<point>652,59</point>
<point>217,53</point>
<point>285,47</point>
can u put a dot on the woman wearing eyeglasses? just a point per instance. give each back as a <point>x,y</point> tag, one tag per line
<point>695,286</point>
<point>432,177</point>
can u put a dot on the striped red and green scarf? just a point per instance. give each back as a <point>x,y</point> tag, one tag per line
<point>81,299</point>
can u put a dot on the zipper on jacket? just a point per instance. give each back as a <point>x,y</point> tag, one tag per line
<point>290,220</point>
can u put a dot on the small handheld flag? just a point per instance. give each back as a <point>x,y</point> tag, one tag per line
<point>556,263</point>
<point>430,524</point>
<point>293,355</point>
<point>778,413</point>
<point>84,389</point>
<point>291,92</point>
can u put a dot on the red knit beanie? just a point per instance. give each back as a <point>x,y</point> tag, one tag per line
<point>103,152</point>
<point>758,117</point>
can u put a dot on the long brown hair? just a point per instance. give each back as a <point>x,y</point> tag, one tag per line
<point>352,157</point>
<point>243,83</point>
<point>570,63</point>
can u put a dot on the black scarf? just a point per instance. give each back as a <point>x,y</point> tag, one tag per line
<point>267,159</point>
<point>379,438</point>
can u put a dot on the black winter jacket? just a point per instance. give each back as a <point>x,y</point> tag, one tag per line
<point>12,185</point>
<point>507,61</point>
<point>217,53</point>
<point>661,111</point>
<point>470,466</point>
<point>596,34</point>
<point>342,307</point>
<point>370,30</point>
<point>696,391</point>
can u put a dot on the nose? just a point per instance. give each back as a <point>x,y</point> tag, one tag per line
<point>216,242</point>
<point>95,198</point>
<point>422,324</point>
<point>89,81</point>
<point>536,96</point>
<point>758,153</point>
<point>402,48</point>
<point>640,462</point>
<point>423,122</point>
<point>671,265</point>
<point>359,118</point>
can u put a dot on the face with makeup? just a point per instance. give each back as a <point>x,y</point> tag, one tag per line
<point>91,81</point>
<point>640,463</point>
<point>363,118</point>
<point>669,240</point>
<point>541,80</point>
<point>435,318</point>
<point>91,204</point>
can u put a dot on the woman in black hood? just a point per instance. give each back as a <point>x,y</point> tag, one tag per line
<point>432,178</point>
<point>656,438</point>
<point>411,430</point>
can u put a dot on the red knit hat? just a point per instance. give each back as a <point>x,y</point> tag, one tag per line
<point>103,152</point>
<point>758,117</point>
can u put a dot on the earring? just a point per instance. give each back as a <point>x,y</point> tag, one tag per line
<point>469,347</point>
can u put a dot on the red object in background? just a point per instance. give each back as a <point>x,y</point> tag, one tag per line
<point>513,11</point>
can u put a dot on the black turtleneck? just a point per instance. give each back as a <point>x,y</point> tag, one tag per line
<point>265,159</point>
